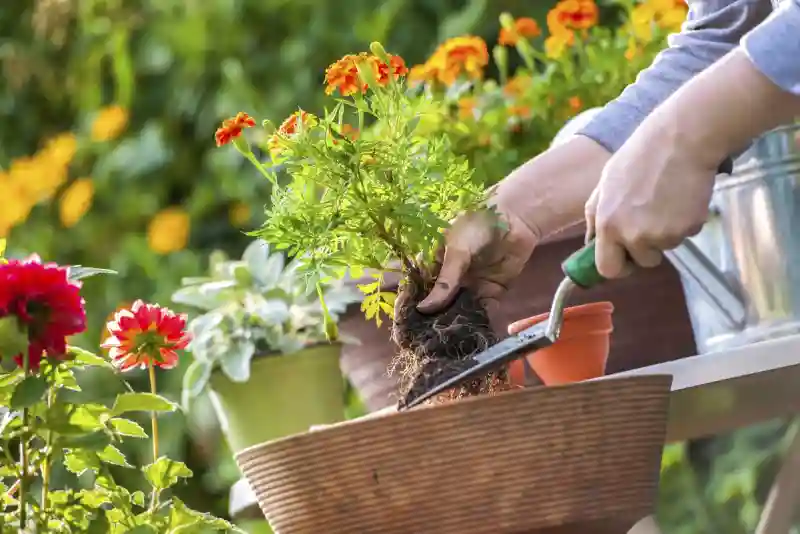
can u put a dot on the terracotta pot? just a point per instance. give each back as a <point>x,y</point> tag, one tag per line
<point>581,351</point>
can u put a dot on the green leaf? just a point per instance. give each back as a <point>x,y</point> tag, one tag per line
<point>28,392</point>
<point>141,402</point>
<point>79,461</point>
<point>184,520</point>
<point>164,473</point>
<point>112,455</point>
<point>87,358</point>
<point>94,498</point>
<point>126,427</point>
<point>137,498</point>
<point>78,272</point>
<point>92,441</point>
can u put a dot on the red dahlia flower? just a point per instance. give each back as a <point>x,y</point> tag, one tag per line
<point>45,302</point>
<point>146,334</point>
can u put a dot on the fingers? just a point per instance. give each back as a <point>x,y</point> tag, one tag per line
<point>455,265</point>
<point>590,212</point>
<point>518,326</point>
<point>611,257</point>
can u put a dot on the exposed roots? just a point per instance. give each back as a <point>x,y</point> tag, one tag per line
<point>434,348</point>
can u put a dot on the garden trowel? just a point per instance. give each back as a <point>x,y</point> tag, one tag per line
<point>580,271</point>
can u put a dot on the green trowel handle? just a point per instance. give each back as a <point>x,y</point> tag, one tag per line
<point>581,268</point>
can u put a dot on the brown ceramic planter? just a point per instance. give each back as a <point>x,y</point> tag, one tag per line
<point>582,458</point>
<point>579,354</point>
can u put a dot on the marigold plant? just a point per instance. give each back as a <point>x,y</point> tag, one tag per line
<point>379,198</point>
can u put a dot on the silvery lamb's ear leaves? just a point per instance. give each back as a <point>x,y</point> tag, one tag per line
<point>266,268</point>
<point>202,328</point>
<point>78,272</point>
<point>271,311</point>
<point>204,296</point>
<point>236,364</point>
<point>195,380</point>
<point>215,260</point>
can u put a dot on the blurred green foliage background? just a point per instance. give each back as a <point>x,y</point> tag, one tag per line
<point>175,68</point>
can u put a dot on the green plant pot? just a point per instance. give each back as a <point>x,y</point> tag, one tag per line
<point>286,394</point>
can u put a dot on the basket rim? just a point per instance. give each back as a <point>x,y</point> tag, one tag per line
<point>424,411</point>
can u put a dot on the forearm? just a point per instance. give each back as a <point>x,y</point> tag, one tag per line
<point>724,108</point>
<point>713,28</point>
<point>549,192</point>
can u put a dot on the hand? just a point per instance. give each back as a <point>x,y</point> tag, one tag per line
<point>653,193</point>
<point>544,195</point>
<point>482,254</point>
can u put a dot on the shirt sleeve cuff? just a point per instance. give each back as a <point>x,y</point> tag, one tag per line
<point>774,47</point>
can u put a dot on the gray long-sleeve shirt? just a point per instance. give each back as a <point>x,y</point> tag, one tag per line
<point>770,36</point>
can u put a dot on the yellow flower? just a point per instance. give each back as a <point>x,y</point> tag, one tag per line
<point>14,205</point>
<point>557,44</point>
<point>75,202</point>
<point>168,231</point>
<point>109,123</point>
<point>59,150</point>
<point>239,214</point>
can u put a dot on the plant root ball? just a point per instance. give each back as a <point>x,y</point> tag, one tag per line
<point>437,347</point>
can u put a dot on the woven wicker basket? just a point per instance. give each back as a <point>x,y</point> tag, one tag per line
<point>579,458</point>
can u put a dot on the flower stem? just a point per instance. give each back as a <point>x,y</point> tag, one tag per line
<point>23,452</point>
<point>48,455</point>
<point>254,160</point>
<point>154,426</point>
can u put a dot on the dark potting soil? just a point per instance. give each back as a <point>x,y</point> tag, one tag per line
<point>436,347</point>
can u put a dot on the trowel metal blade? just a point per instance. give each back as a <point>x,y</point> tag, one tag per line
<point>533,338</point>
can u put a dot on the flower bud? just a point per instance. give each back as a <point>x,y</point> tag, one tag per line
<point>507,21</point>
<point>500,55</point>
<point>376,48</point>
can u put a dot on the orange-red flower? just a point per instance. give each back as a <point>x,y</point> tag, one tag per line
<point>233,127</point>
<point>523,27</point>
<point>571,15</point>
<point>145,335</point>
<point>575,103</point>
<point>397,67</point>
<point>466,55</point>
<point>344,76</point>
<point>290,127</point>
<point>466,107</point>
<point>517,85</point>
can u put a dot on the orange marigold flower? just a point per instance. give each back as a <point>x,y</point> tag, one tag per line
<point>557,44</point>
<point>291,126</point>
<point>233,127</point>
<point>397,67</point>
<point>570,15</point>
<point>519,111</point>
<point>523,27</point>
<point>145,335</point>
<point>517,85</point>
<point>575,103</point>
<point>466,107</point>
<point>350,131</point>
<point>344,76</point>
<point>460,55</point>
